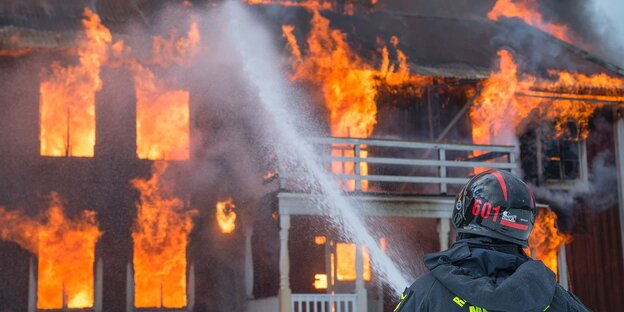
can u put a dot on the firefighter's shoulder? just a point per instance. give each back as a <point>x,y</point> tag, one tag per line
<point>415,297</point>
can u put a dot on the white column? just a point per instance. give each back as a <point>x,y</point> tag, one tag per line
<point>32,287</point>
<point>562,267</point>
<point>129,287</point>
<point>444,227</point>
<point>284,265</point>
<point>97,294</point>
<point>619,149</point>
<point>190,288</point>
<point>360,289</point>
<point>249,278</point>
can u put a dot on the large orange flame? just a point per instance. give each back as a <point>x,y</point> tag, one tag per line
<point>160,235</point>
<point>546,240</point>
<point>65,249</point>
<point>226,217</point>
<point>162,118</point>
<point>162,113</point>
<point>67,103</point>
<point>528,11</point>
<point>348,84</point>
<point>508,98</point>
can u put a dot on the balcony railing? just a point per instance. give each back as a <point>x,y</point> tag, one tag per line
<point>323,303</point>
<point>396,162</point>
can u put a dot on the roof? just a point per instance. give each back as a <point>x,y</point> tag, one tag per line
<point>450,46</point>
<point>440,46</point>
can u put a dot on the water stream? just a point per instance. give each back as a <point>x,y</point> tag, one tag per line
<point>260,64</point>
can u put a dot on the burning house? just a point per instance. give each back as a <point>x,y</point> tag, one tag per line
<point>139,173</point>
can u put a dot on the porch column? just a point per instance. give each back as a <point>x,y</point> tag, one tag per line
<point>562,267</point>
<point>360,289</point>
<point>32,287</point>
<point>190,288</point>
<point>129,287</point>
<point>284,265</point>
<point>444,227</point>
<point>249,278</point>
<point>619,150</point>
<point>99,283</point>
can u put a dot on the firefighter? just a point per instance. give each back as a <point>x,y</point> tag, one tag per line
<point>486,269</point>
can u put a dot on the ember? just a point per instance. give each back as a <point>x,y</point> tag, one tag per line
<point>65,249</point>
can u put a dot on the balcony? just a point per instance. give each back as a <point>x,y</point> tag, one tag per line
<point>388,178</point>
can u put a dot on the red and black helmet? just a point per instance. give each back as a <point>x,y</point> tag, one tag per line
<point>498,205</point>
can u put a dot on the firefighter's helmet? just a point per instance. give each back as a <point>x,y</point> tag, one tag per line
<point>496,204</point>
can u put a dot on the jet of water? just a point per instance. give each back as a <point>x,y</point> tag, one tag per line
<point>260,64</point>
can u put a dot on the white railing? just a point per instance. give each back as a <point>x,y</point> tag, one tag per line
<point>410,162</point>
<point>323,303</point>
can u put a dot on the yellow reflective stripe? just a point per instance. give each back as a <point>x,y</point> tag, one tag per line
<point>403,297</point>
<point>547,307</point>
<point>460,302</point>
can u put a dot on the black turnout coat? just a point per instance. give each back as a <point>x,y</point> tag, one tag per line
<point>481,275</point>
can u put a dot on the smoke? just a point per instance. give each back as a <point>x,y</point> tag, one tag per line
<point>607,22</point>
<point>597,189</point>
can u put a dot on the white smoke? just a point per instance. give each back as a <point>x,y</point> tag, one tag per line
<point>607,20</point>
<point>598,188</point>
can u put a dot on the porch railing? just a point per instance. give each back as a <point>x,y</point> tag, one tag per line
<point>409,162</point>
<point>323,303</point>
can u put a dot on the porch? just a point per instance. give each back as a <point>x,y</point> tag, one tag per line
<point>375,174</point>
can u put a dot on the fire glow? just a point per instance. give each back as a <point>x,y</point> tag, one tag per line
<point>67,103</point>
<point>348,84</point>
<point>160,237</point>
<point>345,258</point>
<point>528,11</point>
<point>65,249</point>
<point>226,217</point>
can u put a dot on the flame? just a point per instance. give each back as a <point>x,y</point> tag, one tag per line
<point>67,103</point>
<point>65,249</point>
<point>320,281</point>
<point>162,118</point>
<point>347,83</point>
<point>308,4</point>
<point>15,52</point>
<point>345,258</point>
<point>174,50</point>
<point>528,11</point>
<point>508,98</point>
<point>546,240</point>
<point>160,237</point>
<point>226,217</point>
<point>320,240</point>
<point>162,113</point>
